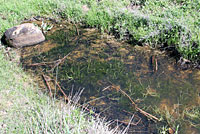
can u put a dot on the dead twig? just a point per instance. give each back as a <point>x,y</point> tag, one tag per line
<point>77,31</point>
<point>42,63</point>
<point>47,78</point>
<point>154,63</point>
<point>127,112</point>
<point>127,123</point>
<point>59,61</point>
<point>106,88</point>
<point>88,110</point>
<point>132,114</point>
<point>137,108</point>
<point>66,98</point>
<point>47,84</point>
<point>56,62</point>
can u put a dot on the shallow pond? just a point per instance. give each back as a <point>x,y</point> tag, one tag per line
<point>83,58</point>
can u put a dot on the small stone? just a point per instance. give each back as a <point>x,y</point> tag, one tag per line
<point>26,34</point>
<point>85,8</point>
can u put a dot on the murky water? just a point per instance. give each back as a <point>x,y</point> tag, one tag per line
<point>104,66</point>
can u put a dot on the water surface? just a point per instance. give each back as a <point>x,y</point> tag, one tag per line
<point>103,66</point>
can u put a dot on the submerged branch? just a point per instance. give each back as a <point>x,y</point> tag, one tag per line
<point>66,98</point>
<point>137,108</point>
<point>134,104</point>
<point>56,62</point>
<point>47,84</point>
<point>129,123</point>
<point>47,78</point>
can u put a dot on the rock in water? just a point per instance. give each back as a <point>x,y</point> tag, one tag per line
<point>26,34</point>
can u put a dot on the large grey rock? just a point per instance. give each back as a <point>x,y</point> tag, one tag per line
<point>26,34</point>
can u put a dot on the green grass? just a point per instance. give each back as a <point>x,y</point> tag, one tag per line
<point>14,11</point>
<point>192,115</point>
<point>157,23</point>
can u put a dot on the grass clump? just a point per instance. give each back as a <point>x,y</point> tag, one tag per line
<point>157,23</point>
<point>192,115</point>
<point>14,11</point>
<point>163,23</point>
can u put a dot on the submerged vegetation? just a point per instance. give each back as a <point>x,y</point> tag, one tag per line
<point>105,67</point>
<point>165,24</point>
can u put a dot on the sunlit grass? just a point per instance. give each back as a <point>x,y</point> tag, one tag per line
<point>156,23</point>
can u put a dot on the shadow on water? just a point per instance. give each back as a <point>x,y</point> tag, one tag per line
<point>102,65</point>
